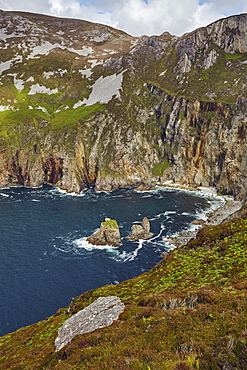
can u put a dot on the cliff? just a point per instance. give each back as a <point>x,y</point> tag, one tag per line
<point>85,104</point>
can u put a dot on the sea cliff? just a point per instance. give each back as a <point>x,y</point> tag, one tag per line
<point>99,107</point>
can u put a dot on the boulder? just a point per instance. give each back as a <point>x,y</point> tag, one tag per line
<point>140,231</point>
<point>98,314</point>
<point>107,234</point>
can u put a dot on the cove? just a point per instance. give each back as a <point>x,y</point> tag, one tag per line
<point>45,259</point>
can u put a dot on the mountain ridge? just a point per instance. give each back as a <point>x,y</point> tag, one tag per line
<point>59,87</point>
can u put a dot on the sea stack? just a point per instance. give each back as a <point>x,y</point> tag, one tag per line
<point>140,231</point>
<point>107,234</point>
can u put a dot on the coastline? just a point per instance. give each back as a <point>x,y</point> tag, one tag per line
<point>221,210</point>
<point>213,217</point>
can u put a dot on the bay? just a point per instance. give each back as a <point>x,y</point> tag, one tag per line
<point>45,259</point>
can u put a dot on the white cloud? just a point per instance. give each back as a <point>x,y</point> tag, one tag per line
<point>136,17</point>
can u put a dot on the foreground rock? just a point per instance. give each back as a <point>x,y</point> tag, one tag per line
<point>140,231</point>
<point>108,234</point>
<point>98,314</point>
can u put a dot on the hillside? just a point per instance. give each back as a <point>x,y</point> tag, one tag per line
<point>188,312</point>
<point>84,104</point>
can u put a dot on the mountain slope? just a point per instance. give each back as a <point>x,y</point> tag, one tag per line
<point>188,312</point>
<point>82,103</point>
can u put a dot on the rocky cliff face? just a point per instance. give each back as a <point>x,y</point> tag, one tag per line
<point>84,104</point>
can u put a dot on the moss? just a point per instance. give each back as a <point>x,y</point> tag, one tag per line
<point>159,168</point>
<point>235,56</point>
<point>109,223</point>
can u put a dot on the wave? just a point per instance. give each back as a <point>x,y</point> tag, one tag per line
<point>4,195</point>
<point>84,244</point>
<point>128,256</point>
<point>61,192</point>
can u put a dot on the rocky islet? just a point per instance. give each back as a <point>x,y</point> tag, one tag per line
<point>109,234</point>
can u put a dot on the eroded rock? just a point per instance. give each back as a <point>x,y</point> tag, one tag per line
<point>140,231</point>
<point>107,234</point>
<point>99,314</point>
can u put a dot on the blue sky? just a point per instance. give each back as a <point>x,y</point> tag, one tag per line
<point>136,17</point>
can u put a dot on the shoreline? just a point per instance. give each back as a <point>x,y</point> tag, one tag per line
<point>213,217</point>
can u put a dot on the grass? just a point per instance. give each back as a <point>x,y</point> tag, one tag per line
<point>73,116</point>
<point>109,223</point>
<point>187,313</point>
<point>159,168</point>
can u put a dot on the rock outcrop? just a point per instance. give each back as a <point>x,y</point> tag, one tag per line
<point>99,314</point>
<point>131,111</point>
<point>140,231</point>
<point>107,234</point>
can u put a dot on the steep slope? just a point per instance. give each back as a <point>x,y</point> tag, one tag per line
<point>188,312</point>
<point>82,103</point>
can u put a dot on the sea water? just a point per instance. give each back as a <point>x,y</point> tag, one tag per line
<point>45,259</point>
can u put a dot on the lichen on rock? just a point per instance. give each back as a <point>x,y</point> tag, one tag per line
<point>98,314</point>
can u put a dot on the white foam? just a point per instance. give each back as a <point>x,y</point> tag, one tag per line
<point>4,195</point>
<point>65,193</point>
<point>128,256</point>
<point>83,243</point>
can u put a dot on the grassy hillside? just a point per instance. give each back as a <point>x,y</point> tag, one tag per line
<point>188,312</point>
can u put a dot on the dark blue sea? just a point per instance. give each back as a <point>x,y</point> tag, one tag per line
<point>45,259</point>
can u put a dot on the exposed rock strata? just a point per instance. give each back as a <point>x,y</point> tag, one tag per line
<point>99,314</point>
<point>143,135</point>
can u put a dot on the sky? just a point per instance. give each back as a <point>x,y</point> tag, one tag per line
<point>136,17</point>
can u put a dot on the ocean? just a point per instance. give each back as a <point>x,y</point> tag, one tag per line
<point>45,259</point>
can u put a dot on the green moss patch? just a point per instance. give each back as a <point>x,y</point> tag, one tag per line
<point>109,223</point>
<point>159,168</point>
<point>72,116</point>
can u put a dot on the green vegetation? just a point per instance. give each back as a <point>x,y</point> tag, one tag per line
<point>159,168</point>
<point>187,313</point>
<point>109,223</point>
<point>73,116</point>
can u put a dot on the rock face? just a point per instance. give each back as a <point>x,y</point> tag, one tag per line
<point>130,112</point>
<point>98,314</point>
<point>107,234</point>
<point>140,231</point>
